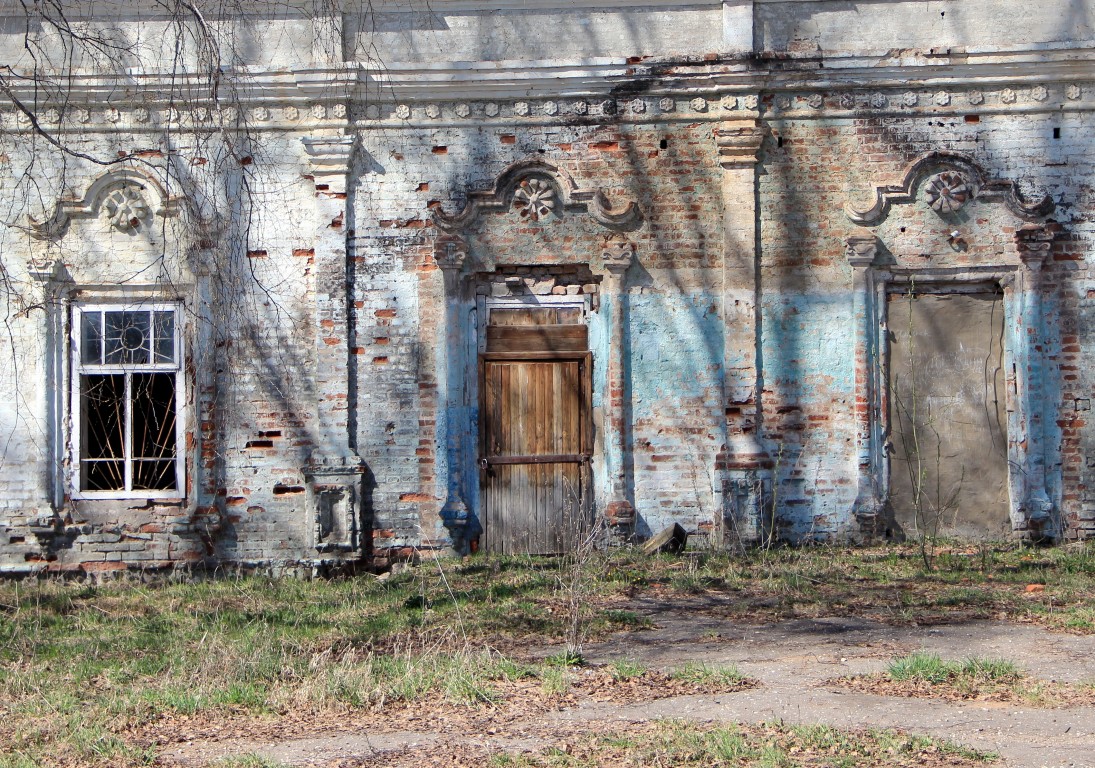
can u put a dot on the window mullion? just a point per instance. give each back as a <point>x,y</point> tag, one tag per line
<point>128,443</point>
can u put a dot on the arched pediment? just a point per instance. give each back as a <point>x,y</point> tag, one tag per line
<point>954,180</point>
<point>536,188</point>
<point>128,195</point>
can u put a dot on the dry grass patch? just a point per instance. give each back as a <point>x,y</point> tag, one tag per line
<point>685,744</point>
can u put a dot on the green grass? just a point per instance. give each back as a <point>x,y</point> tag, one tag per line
<point>80,663</point>
<point>706,674</point>
<point>930,668</point>
<point>625,669</point>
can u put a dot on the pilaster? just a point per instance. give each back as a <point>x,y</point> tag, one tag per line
<point>617,255</point>
<point>334,469</point>
<point>870,502</point>
<point>450,255</point>
<point>1033,243</point>
<point>744,465</point>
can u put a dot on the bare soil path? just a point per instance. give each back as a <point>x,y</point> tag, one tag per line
<point>792,660</point>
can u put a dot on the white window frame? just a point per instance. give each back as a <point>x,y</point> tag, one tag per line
<point>79,368</point>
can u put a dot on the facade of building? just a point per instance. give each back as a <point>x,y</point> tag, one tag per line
<point>312,284</point>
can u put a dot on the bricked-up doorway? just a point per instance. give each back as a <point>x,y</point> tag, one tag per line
<point>948,421</point>
<point>535,391</point>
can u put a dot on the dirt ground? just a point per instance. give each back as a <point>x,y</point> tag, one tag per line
<point>791,663</point>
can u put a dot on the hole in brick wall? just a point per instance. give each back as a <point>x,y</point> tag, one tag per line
<point>973,118</point>
<point>509,138</point>
<point>779,141</point>
<point>440,150</point>
<point>663,144</point>
<point>16,540</point>
<point>260,443</point>
<point>270,433</point>
<point>1056,133</point>
<point>282,490</point>
<point>902,230</point>
<point>424,187</point>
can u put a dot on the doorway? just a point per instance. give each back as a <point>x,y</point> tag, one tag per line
<point>947,414</point>
<point>535,430</point>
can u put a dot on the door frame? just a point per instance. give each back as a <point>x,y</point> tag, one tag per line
<point>585,424</point>
<point>1022,388</point>
<point>904,282</point>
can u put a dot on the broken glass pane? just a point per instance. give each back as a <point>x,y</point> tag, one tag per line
<point>127,338</point>
<point>153,431</point>
<point>102,432</point>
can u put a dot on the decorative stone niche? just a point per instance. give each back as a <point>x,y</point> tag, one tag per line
<point>333,501</point>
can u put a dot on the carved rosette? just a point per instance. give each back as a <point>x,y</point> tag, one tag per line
<point>126,209</point>
<point>947,192</point>
<point>534,199</point>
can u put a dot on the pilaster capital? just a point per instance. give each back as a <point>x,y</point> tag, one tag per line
<point>739,143</point>
<point>43,269</point>
<point>330,158</point>
<point>328,469</point>
<point>860,250</point>
<point>1033,243</point>
<point>618,252</point>
<point>450,252</point>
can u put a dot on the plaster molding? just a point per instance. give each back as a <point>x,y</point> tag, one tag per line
<point>1034,243</point>
<point>330,158</point>
<point>617,253</point>
<point>150,192</point>
<point>860,250</point>
<point>478,106</point>
<point>739,145</point>
<point>1040,78</point>
<point>979,188</point>
<point>44,269</point>
<point>500,197</point>
<point>450,253</point>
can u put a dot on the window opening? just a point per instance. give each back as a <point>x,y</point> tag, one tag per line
<point>127,401</point>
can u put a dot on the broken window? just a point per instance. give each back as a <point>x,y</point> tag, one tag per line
<point>126,398</point>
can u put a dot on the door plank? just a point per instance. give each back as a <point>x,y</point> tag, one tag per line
<point>534,473</point>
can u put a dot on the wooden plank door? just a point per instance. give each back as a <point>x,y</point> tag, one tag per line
<point>535,452</point>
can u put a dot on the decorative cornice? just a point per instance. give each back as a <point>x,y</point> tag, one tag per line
<point>1037,79</point>
<point>89,206</point>
<point>500,197</point>
<point>660,104</point>
<point>980,188</point>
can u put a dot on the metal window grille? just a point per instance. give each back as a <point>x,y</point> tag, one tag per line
<point>126,401</point>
